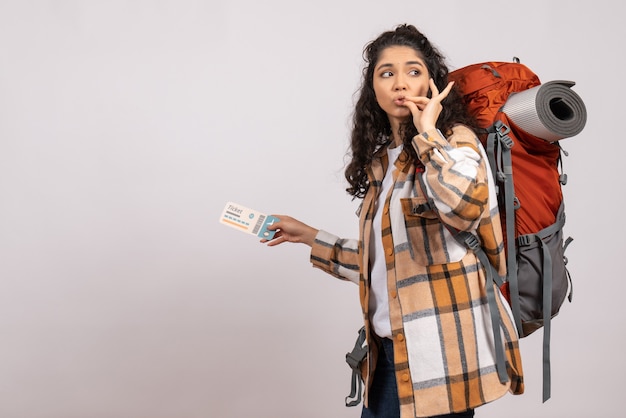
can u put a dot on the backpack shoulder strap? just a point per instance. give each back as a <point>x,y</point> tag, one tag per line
<point>471,242</point>
<point>499,145</point>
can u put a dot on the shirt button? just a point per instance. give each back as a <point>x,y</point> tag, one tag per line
<point>389,251</point>
<point>400,337</point>
<point>393,294</point>
<point>405,377</point>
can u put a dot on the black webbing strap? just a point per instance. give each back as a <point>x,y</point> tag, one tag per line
<point>354,360</point>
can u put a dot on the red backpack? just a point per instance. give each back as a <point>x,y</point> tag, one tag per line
<point>522,121</point>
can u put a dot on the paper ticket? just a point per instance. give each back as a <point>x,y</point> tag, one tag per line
<point>247,220</point>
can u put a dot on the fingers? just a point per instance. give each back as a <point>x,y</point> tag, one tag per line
<point>277,240</point>
<point>289,229</point>
<point>411,104</point>
<point>436,95</point>
<point>419,101</point>
<point>275,225</point>
<point>283,222</point>
<point>425,111</point>
<point>447,90</point>
<point>433,88</point>
<point>422,101</point>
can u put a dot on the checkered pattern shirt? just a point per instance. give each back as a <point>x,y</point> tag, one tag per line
<point>440,319</point>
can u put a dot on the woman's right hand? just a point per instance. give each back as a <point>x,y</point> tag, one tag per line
<point>426,110</point>
<point>289,229</point>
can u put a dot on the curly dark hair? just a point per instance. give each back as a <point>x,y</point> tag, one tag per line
<point>371,128</point>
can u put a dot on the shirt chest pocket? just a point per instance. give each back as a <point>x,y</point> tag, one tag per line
<point>425,232</point>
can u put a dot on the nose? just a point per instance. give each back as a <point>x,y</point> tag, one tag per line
<point>400,83</point>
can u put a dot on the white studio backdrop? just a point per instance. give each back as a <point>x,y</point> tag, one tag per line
<point>125,126</point>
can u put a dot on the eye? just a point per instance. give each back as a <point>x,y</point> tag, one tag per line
<point>386,74</point>
<point>415,72</point>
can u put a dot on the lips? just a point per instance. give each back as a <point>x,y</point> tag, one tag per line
<point>399,101</point>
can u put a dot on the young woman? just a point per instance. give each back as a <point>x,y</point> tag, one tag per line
<point>423,294</point>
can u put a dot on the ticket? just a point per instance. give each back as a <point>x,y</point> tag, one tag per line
<point>247,220</point>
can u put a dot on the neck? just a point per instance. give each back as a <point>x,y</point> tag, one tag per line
<point>395,132</point>
<point>396,139</point>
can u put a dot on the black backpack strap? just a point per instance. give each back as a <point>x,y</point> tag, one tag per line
<point>354,360</point>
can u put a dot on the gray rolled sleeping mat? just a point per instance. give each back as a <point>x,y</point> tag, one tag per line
<point>551,111</point>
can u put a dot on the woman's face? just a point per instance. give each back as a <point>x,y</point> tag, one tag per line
<point>399,72</point>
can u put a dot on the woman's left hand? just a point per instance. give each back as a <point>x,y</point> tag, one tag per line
<point>426,110</point>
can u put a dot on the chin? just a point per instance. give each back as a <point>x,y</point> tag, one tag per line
<point>401,116</point>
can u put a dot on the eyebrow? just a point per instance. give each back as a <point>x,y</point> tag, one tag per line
<point>388,65</point>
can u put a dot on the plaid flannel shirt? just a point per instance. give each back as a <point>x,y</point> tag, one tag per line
<point>440,320</point>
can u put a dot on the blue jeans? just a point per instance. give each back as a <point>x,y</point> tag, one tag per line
<point>383,395</point>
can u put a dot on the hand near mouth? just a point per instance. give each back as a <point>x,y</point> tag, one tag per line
<point>426,110</point>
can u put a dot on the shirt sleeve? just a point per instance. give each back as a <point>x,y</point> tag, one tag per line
<point>455,175</point>
<point>336,256</point>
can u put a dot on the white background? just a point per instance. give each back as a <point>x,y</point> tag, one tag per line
<point>125,126</point>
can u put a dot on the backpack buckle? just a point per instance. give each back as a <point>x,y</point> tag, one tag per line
<point>472,242</point>
<point>355,358</point>
<point>359,352</point>
<point>506,142</point>
<point>526,239</point>
<point>501,128</point>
